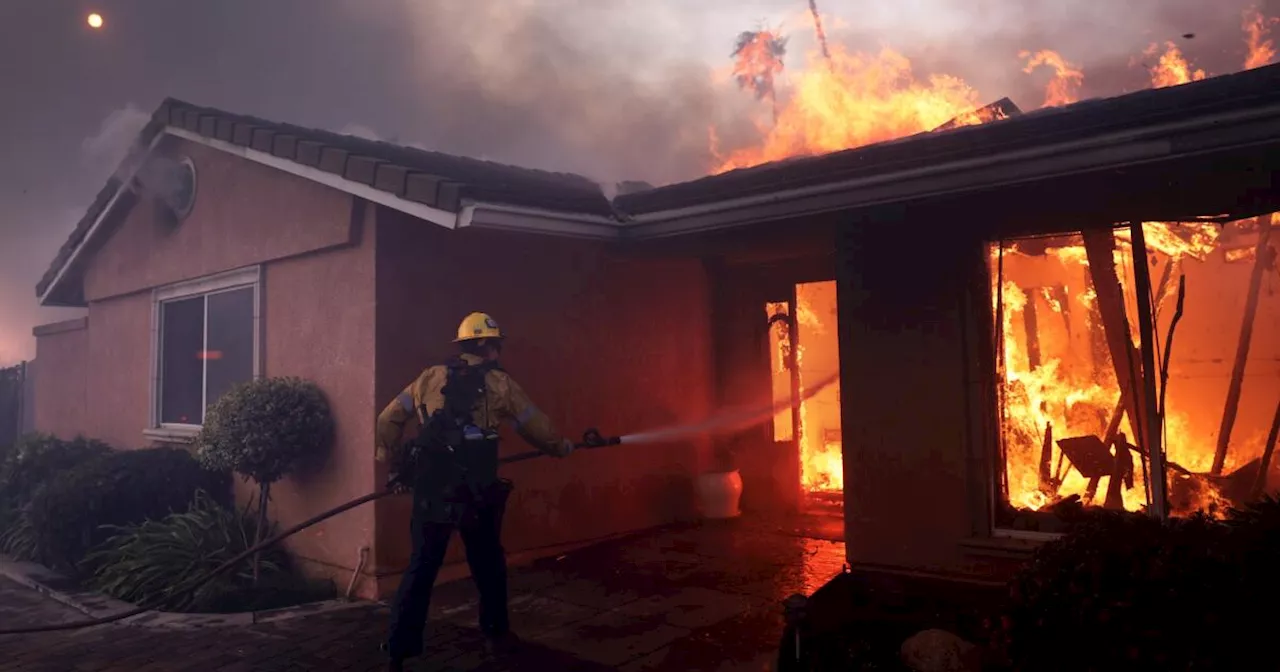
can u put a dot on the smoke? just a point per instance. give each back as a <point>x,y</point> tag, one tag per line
<point>103,151</point>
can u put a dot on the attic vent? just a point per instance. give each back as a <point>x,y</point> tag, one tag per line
<point>181,191</point>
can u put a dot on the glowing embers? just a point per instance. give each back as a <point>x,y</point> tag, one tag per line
<point>816,361</point>
<point>1066,429</point>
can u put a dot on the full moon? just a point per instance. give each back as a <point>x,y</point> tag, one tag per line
<point>95,20</point>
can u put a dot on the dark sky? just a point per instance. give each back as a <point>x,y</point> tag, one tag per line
<point>613,89</point>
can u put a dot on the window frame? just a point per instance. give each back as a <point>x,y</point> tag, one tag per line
<point>250,277</point>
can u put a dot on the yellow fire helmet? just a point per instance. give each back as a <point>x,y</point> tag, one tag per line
<point>477,326</point>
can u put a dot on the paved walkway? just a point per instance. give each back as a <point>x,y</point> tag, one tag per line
<point>694,598</point>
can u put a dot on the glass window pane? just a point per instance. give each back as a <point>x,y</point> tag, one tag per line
<point>229,359</point>
<point>181,367</point>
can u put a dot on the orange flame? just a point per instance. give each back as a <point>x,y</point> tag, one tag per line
<point>1064,88</point>
<point>758,61</point>
<point>1172,67</point>
<point>1261,49</point>
<point>858,101</point>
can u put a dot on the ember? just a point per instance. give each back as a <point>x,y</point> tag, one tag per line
<point>1064,402</point>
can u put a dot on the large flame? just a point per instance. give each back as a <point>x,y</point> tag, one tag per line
<point>1064,88</point>
<point>1068,395</point>
<point>846,99</point>
<point>1257,28</point>
<point>1171,67</point>
<point>859,100</point>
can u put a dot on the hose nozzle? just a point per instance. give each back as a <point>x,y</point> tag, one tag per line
<point>593,439</point>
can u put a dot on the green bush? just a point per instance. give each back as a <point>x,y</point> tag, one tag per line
<point>264,428</point>
<point>1127,591</point>
<point>37,457</point>
<point>33,461</point>
<point>68,514</point>
<point>155,563</point>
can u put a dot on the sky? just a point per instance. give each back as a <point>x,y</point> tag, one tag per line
<point>611,89</point>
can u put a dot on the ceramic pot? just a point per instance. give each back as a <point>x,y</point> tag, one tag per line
<point>719,494</point>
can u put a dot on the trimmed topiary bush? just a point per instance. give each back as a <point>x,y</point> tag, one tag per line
<point>263,429</point>
<point>68,515</point>
<point>155,562</point>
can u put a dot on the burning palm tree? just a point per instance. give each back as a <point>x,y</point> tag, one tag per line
<point>758,58</point>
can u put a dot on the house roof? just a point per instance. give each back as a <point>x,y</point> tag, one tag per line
<point>1093,117</point>
<point>1230,110</point>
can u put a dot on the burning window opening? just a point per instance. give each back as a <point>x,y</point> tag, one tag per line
<point>1066,428</point>
<point>817,358</point>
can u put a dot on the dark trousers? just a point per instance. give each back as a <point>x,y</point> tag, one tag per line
<point>488,563</point>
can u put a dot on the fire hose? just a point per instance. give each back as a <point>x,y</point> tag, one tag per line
<point>591,439</point>
<point>729,419</point>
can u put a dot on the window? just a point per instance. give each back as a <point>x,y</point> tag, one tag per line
<point>206,343</point>
<point>1070,368</point>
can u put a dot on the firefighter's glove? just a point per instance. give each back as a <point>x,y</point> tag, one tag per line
<point>566,448</point>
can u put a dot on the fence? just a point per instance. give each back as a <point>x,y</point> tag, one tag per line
<point>15,402</point>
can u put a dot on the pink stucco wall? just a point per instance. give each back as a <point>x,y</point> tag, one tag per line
<point>96,381</point>
<point>597,338</point>
<point>60,401</point>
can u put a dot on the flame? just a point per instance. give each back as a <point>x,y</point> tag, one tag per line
<point>1070,394</point>
<point>1064,88</point>
<point>1172,68</point>
<point>1261,50</point>
<point>856,99</point>
<point>758,61</point>
<point>821,457</point>
<point>859,100</point>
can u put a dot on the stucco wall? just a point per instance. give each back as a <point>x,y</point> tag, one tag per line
<point>60,381</point>
<point>245,213</point>
<point>319,317</point>
<point>913,473</point>
<point>596,338</point>
<point>317,303</point>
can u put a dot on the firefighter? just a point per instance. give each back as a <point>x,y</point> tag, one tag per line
<point>451,469</point>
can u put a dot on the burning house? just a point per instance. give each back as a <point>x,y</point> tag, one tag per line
<point>961,330</point>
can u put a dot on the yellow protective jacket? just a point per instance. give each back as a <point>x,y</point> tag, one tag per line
<point>505,402</point>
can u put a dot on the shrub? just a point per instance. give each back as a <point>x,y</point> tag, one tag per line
<point>155,563</point>
<point>34,460</point>
<point>262,429</point>
<point>68,514</point>
<point>37,457</point>
<point>1127,591</point>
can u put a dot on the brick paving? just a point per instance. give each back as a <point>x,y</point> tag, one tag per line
<point>690,598</point>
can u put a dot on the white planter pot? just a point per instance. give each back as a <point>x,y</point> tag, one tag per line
<point>719,494</point>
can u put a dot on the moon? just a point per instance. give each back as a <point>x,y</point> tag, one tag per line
<point>94,20</point>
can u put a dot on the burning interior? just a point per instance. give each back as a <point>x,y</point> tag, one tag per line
<point>805,365</point>
<point>1066,306</point>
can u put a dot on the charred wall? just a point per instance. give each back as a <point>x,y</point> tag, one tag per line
<point>597,336</point>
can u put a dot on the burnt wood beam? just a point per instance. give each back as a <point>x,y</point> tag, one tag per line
<point>1147,334</point>
<point>1260,262</point>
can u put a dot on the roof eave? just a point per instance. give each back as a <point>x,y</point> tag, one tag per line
<point>1187,138</point>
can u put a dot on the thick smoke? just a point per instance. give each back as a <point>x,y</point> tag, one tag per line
<point>618,90</point>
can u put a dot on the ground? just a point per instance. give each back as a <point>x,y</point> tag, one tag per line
<point>703,597</point>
